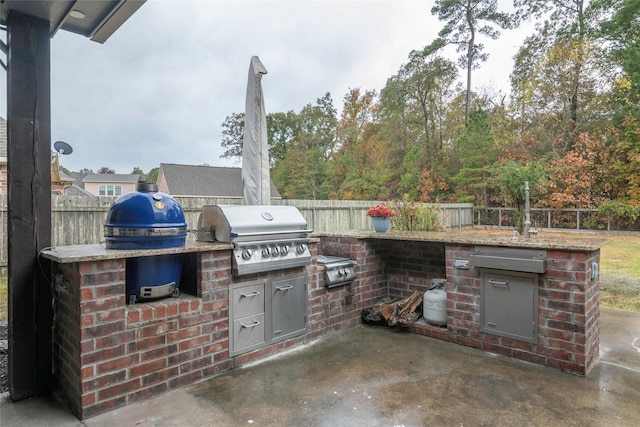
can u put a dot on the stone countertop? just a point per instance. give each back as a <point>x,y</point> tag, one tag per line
<point>83,253</point>
<point>479,237</point>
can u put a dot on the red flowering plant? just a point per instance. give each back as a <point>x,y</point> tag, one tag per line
<point>380,211</point>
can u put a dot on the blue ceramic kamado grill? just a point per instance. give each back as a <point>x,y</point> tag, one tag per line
<point>148,219</point>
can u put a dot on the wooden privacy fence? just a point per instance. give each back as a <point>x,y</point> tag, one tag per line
<point>79,220</point>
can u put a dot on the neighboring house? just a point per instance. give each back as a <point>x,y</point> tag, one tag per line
<point>3,155</point>
<point>60,181</point>
<point>110,184</point>
<point>203,181</point>
<point>76,190</point>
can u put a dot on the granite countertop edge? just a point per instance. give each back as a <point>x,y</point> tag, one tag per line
<point>535,242</point>
<point>98,252</point>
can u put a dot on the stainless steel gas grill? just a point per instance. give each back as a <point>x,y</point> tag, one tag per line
<point>266,238</point>
<point>269,307</point>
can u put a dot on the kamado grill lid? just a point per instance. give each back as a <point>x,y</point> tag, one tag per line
<point>145,219</point>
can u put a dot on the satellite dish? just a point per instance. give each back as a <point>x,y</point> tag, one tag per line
<point>62,147</point>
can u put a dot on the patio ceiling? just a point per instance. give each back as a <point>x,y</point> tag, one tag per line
<point>96,19</point>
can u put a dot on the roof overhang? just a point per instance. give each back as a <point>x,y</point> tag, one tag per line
<point>96,19</point>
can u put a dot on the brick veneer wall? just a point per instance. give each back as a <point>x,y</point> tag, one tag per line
<point>568,311</point>
<point>108,354</point>
<point>412,265</point>
<point>370,285</point>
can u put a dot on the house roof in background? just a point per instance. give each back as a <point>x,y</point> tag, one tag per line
<point>111,177</point>
<point>76,190</point>
<point>65,177</point>
<point>211,181</point>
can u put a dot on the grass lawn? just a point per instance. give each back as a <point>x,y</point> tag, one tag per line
<point>619,275</point>
<point>622,256</point>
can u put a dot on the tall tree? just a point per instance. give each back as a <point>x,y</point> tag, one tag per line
<point>478,153</point>
<point>106,170</point>
<point>352,164</point>
<point>551,110</point>
<point>282,128</point>
<point>152,176</point>
<point>465,19</point>
<point>620,32</point>
<point>304,171</point>
<point>415,99</point>
<point>358,111</point>
<point>232,136</point>
<point>566,24</point>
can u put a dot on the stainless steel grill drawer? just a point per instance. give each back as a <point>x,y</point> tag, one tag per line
<point>248,331</point>
<point>248,300</point>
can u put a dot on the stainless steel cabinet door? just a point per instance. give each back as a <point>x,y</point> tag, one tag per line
<point>288,306</point>
<point>509,304</point>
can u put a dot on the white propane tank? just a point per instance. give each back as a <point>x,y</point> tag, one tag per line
<point>435,303</point>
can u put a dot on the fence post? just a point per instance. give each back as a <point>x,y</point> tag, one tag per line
<point>578,219</point>
<point>313,217</point>
<point>350,217</point>
<point>549,218</point>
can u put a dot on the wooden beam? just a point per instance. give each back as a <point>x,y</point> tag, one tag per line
<point>29,207</point>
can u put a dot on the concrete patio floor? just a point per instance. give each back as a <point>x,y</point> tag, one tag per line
<point>375,376</point>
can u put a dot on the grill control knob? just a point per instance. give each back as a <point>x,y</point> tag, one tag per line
<point>301,248</point>
<point>246,254</point>
<point>275,251</point>
<point>266,252</point>
<point>284,250</point>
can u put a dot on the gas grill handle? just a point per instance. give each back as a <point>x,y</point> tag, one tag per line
<point>284,288</point>
<point>252,325</point>
<point>267,233</point>
<point>252,294</point>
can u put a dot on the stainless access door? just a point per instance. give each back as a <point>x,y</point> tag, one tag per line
<point>288,306</point>
<point>509,304</point>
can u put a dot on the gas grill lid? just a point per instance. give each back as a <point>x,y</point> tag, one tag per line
<point>251,223</point>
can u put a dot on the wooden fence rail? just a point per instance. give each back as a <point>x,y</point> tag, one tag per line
<point>80,220</point>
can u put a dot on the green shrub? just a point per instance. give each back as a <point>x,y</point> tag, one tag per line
<point>411,216</point>
<point>621,212</point>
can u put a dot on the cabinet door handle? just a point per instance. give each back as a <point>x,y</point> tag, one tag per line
<point>252,325</point>
<point>252,294</point>
<point>498,282</point>
<point>284,288</point>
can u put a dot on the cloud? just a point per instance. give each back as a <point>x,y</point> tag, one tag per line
<point>159,89</point>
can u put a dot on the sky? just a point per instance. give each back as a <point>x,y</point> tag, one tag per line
<point>160,88</point>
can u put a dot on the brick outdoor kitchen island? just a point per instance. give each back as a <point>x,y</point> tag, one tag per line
<point>108,354</point>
